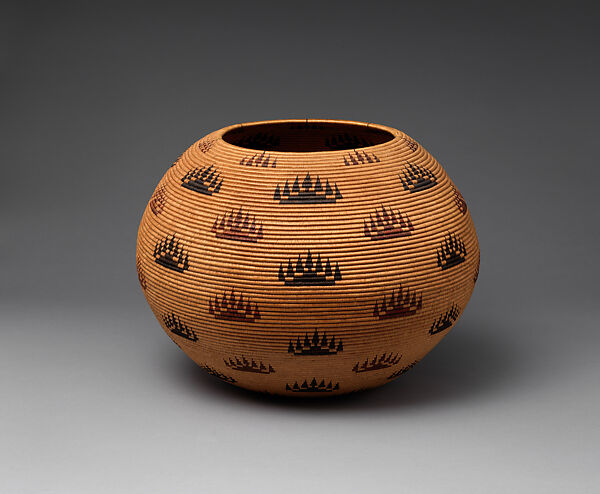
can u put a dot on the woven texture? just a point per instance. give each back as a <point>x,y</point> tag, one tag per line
<point>307,257</point>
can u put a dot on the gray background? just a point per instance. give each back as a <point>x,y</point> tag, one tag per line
<point>98,99</point>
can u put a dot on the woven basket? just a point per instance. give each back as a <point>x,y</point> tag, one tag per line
<point>307,257</point>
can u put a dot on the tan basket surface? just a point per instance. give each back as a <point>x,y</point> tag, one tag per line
<point>372,246</point>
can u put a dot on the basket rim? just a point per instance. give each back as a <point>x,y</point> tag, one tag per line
<point>396,135</point>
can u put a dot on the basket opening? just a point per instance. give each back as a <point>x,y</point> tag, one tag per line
<point>306,136</point>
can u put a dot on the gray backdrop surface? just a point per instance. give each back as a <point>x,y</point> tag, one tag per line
<point>98,99</point>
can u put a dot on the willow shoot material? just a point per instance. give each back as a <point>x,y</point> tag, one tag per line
<point>307,257</point>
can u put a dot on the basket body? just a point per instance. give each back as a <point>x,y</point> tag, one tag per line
<point>307,257</point>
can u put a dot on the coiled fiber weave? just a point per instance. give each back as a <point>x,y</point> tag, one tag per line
<point>307,257</point>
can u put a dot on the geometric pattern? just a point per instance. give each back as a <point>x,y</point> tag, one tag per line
<point>309,272</point>
<point>359,157</point>
<point>415,178</point>
<point>387,225</point>
<point>451,252</point>
<point>445,321</point>
<point>203,180</point>
<point>313,387</point>
<point>169,253</point>
<point>377,363</point>
<point>246,365</point>
<point>174,324</point>
<point>309,192</point>
<point>317,345</point>
<point>459,200</point>
<point>352,241</point>
<point>233,309</point>
<point>234,225</point>
<point>406,303</point>
<point>262,160</point>
<point>158,199</point>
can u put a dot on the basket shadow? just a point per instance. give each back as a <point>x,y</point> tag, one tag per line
<point>471,363</point>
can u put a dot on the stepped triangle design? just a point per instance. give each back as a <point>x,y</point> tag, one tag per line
<point>451,252</point>
<point>415,178</point>
<point>262,160</point>
<point>459,200</point>
<point>175,326</point>
<point>358,157</point>
<point>445,321</point>
<point>406,303</point>
<point>310,191</point>
<point>158,199</point>
<point>169,253</point>
<point>238,226</point>
<point>245,365</point>
<point>235,308</point>
<point>411,143</point>
<point>309,272</point>
<point>377,363</point>
<point>313,387</point>
<point>205,145</point>
<point>202,180</point>
<point>387,224</point>
<point>317,345</point>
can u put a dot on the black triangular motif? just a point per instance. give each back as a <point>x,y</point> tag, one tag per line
<point>262,160</point>
<point>360,157</point>
<point>169,253</point>
<point>248,366</point>
<point>377,363</point>
<point>202,180</point>
<point>415,178</point>
<point>387,224</point>
<point>317,345</point>
<point>318,264</point>
<point>407,303</point>
<point>308,272</point>
<point>328,268</point>
<point>445,321</point>
<point>337,275</point>
<point>307,183</point>
<point>451,252</point>
<point>309,262</point>
<point>299,265</point>
<point>310,192</point>
<point>175,326</point>
<point>318,186</point>
<point>338,194</point>
<point>314,387</point>
<point>237,308</point>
